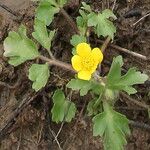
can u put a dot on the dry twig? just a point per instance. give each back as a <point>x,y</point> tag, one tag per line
<point>141,19</point>
<point>135,101</point>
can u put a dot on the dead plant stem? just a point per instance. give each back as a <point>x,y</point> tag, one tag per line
<point>126,51</point>
<point>141,19</point>
<point>135,101</point>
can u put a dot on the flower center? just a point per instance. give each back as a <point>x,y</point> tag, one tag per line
<point>88,63</point>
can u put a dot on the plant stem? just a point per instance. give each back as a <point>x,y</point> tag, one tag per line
<point>57,63</point>
<point>126,51</point>
<point>50,54</point>
<point>105,44</point>
<point>70,20</point>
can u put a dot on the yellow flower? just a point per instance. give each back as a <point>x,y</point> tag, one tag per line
<point>86,60</point>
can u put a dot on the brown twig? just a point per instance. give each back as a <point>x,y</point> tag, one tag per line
<point>135,101</point>
<point>9,10</point>
<point>114,4</point>
<point>54,135</point>
<point>126,51</point>
<point>141,19</point>
<point>139,125</point>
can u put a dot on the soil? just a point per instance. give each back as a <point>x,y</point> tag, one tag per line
<point>25,115</point>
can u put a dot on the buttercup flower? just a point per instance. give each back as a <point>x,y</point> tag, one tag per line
<point>86,60</point>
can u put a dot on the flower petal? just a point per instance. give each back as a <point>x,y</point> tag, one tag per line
<point>83,49</point>
<point>84,75</point>
<point>97,55</point>
<point>93,69</point>
<point>76,62</point>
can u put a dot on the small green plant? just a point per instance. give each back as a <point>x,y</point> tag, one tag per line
<point>110,125</point>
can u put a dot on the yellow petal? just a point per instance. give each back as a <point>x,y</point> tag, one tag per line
<point>97,55</point>
<point>84,75</point>
<point>83,49</point>
<point>93,68</point>
<point>76,62</point>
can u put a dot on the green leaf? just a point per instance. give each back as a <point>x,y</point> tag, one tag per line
<point>76,39</point>
<point>61,3</point>
<point>102,25</point>
<point>52,2</point>
<point>63,110</point>
<point>93,108</point>
<point>46,11</point>
<point>117,82</point>
<point>84,86</point>
<point>86,7</point>
<point>82,22</point>
<point>41,35</point>
<point>115,70</point>
<point>112,127</point>
<point>19,48</point>
<point>39,74</point>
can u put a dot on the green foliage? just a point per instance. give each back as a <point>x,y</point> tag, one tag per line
<point>39,74</point>
<point>46,11</point>
<point>62,2</point>
<point>82,22</point>
<point>94,106</point>
<point>113,127</point>
<point>84,86</point>
<point>41,35</point>
<point>117,82</point>
<point>86,7</point>
<point>19,48</point>
<point>101,24</point>
<point>75,40</point>
<point>63,110</point>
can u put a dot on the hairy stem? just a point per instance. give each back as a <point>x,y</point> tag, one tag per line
<point>57,63</point>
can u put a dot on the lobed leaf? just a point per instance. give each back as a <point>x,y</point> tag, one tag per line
<point>102,25</point>
<point>62,2</point>
<point>86,7</point>
<point>41,35</point>
<point>46,11</point>
<point>112,127</point>
<point>117,82</point>
<point>94,106</point>
<point>19,48</point>
<point>84,86</point>
<point>39,74</point>
<point>75,40</point>
<point>82,22</point>
<point>63,110</point>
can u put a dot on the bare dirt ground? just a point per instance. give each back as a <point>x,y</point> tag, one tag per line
<point>25,119</point>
